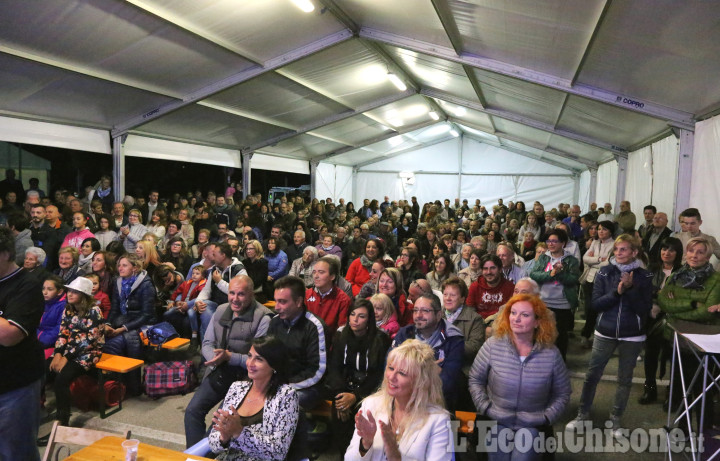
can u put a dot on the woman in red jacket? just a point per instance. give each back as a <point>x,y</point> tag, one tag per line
<point>359,271</point>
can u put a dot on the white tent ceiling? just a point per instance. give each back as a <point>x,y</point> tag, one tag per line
<point>569,82</point>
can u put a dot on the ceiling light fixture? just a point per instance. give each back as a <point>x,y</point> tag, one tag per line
<point>396,81</point>
<point>454,133</point>
<point>460,111</point>
<point>434,115</point>
<point>304,5</point>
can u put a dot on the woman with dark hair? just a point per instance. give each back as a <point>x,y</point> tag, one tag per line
<point>103,264</point>
<point>259,416</point>
<point>657,348</point>
<point>597,256</point>
<point>158,223</point>
<point>520,359</point>
<point>87,250</point>
<point>355,367</point>
<point>350,210</point>
<point>444,268</point>
<point>474,270</point>
<point>278,264</point>
<point>407,264</point>
<point>176,253</point>
<point>459,239</point>
<point>359,271</point>
<point>405,230</point>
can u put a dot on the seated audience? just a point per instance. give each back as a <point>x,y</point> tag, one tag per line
<point>445,339</point>
<point>490,291</point>
<point>355,368</point>
<point>359,271</point>
<point>325,299</point>
<point>33,263</point>
<point>408,404</point>
<point>68,269</point>
<point>256,266</point>
<point>259,416</point>
<point>87,250</point>
<point>390,283</point>
<point>225,349</point>
<point>385,315</point>
<point>303,267</point>
<point>464,318</point>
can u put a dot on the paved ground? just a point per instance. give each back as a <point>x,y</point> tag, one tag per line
<point>160,422</point>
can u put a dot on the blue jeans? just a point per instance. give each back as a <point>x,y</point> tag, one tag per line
<point>205,317</point>
<point>602,350</point>
<point>19,422</point>
<point>203,401</point>
<point>507,444</point>
<point>127,344</point>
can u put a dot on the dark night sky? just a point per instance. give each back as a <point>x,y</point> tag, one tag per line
<point>72,169</point>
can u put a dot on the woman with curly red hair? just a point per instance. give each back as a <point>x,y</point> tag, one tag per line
<point>520,359</point>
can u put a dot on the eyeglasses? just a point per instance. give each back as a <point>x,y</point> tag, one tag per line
<point>552,241</point>
<point>422,311</point>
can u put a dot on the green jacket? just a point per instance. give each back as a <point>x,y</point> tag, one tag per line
<point>691,305</point>
<point>568,277</point>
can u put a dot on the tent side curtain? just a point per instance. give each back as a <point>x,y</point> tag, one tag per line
<point>142,146</point>
<point>705,188</point>
<point>584,189</point>
<point>54,135</point>
<point>272,163</point>
<point>652,177</point>
<point>334,181</point>
<point>606,183</point>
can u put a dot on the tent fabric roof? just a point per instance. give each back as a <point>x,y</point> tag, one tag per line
<point>571,83</point>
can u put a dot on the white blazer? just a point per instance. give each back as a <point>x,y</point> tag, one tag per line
<point>432,441</point>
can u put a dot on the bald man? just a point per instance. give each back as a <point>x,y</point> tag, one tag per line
<point>655,235</point>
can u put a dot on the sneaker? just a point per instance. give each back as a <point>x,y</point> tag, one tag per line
<point>43,441</point>
<point>578,423</point>
<point>618,431</point>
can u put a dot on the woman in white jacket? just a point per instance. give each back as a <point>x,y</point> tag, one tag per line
<point>595,258</point>
<point>405,419</point>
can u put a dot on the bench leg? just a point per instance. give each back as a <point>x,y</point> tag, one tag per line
<point>101,390</point>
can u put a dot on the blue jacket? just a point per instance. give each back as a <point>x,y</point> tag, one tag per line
<point>278,265</point>
<point>451,349</point>
<point>49,327</point>
<point>621,316</point>
<point>140,304</point>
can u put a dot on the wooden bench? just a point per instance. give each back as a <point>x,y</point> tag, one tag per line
<point>323,409</point>
<point>175,343</point>
<point>467,421</point>
<point>110,363</point>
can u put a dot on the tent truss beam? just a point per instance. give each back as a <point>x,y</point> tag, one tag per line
<point>454,173</point>
<point>591,41</point>
<point>628,102</point>
<point>382,137</point>
<point>521,119</point>
<point>402,151</point>
<point>332,119</point>
<point>189,27</point>
<point>500,136</point>
<point>442,9</point>
<point>243,76</point>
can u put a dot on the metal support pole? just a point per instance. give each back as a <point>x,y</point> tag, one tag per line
<point>313,180</point>
<point>685,161</point>
<point>460,165</point>
<point>118,167</point>
<point>621,180</point>
<point>576,188</point>
<point>593,185</point>
<point>354,185</point>
<point>246,168</point>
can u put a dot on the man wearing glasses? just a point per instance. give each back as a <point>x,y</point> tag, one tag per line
<point>445,338</point>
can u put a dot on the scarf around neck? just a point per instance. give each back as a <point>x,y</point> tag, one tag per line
<point>693,279</point>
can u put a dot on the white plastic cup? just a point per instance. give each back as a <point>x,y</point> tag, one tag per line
<point>131,449</point>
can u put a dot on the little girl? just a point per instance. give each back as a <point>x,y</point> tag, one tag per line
<point>54,293</point>
<point>182,302</point>
<point>102,300</point>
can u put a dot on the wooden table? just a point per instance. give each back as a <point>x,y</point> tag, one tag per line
<point>110,449</point>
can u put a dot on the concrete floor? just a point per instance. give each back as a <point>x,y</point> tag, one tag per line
<point>160,422</point>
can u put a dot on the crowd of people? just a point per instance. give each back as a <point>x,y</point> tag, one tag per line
<point>398,313</point>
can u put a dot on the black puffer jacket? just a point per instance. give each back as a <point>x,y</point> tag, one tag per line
<point>622,316</point>
<point>140,304</point>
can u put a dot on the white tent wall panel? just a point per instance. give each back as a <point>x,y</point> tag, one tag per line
<point>548,191</point>
<point>652,177</point>
<point>54,135</point>
<point>705,188</point>
<point>334,181</point>
<point>639,180</point>
<point>584,190</point>
<point>272,163</point>
<point>606,184</point>
<point>142,146</point>
<point>665,155</point>
<point>479,157</point>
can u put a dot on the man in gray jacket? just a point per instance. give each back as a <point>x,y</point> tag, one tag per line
<point>225,346</point>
